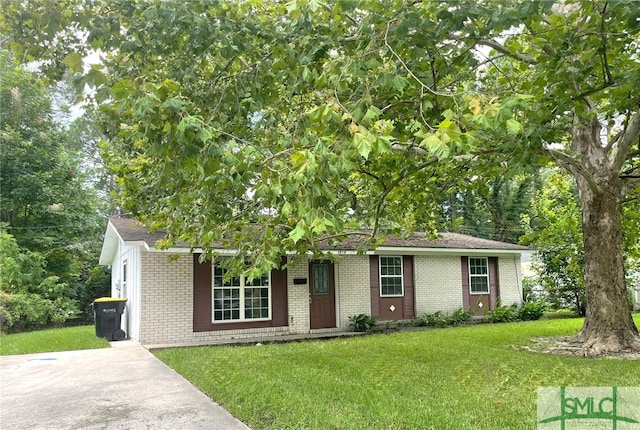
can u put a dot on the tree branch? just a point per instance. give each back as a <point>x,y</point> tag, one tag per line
<point>622,146</point>
<point>587,93</point>
<point>490,60</point>
<point>603,35</point>
<point>501,49</point>
<point>407,69</point>
<point>354,197</point>
<point>343,235</point>
<point>394,184</point>
<point>394,104</point>
<point>618,135</point>
<point>631,171</point>
<point>571,164</point>
<point>546,47</point>
<point>632,197</point>
<point>365,172</point>
<point>487,60</point>
<point>401,147</point>
<point>349,17</point>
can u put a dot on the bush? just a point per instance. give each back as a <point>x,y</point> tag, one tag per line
<point>417,322</point>
<point>97,284</point>
<point>532,311</point>
<point>436,319</point>
<point>28,298</point>
<point>460,317</point>
<point>528,312</point>
<point>24,311</point>
<point>440,319</point>
<point>362,322</point>
<point>28,311</point>
<point>503,313</point>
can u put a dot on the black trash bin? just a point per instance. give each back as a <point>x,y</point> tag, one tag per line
<point>108,312</point>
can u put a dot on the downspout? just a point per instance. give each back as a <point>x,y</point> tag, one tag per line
<point>518,286</point>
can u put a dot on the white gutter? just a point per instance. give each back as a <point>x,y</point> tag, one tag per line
<point>383,250</point>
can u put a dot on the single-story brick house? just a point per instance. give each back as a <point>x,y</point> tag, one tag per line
<point>182,301</point>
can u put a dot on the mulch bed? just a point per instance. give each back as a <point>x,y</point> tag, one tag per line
<point>568,346</point>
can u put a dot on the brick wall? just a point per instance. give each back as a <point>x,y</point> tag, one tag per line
<point>167,305</point>
<point>298,296</point>
<point>510,274</point>
<point>166,300</point>
<point>438,284</point>
<point>352,280</point>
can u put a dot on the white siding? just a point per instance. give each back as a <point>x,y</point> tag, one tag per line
<point>130,321</point>
<point>438,284</point>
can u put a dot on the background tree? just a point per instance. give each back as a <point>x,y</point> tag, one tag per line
<point>312,119</point>
<point>491,207</point>
<point>47,204</point>
<point>554,227</point>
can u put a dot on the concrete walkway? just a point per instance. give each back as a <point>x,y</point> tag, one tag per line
<point>123,387</point>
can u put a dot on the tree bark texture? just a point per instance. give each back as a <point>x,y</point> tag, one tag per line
<point>608,326</point>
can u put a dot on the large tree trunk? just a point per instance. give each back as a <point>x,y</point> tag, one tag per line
<point>608,326</point>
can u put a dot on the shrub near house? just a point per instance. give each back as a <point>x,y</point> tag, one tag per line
<point>28,298</point>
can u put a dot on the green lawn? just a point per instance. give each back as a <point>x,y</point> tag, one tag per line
<point>454,378</point>
<point>58,339</point>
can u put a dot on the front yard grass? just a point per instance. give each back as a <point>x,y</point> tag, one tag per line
<point>57,339</point>
<point>454,378</point>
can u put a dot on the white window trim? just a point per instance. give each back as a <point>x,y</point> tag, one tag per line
<point>242,287</point>
<point>380,275</point>
<point>478,293</point>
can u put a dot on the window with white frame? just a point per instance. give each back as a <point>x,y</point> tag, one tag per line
<point>479,275</point>
<point>122,288</point>
<point>391,277</point>
<point>238,299</point>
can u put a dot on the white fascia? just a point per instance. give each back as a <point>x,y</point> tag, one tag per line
<point>397,250</point>
<point>383,250</point>
<point>187,250</point>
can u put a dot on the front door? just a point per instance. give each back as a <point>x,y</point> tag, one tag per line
<point>322,295</point>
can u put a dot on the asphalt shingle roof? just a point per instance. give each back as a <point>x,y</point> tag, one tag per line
<point>130,230</point>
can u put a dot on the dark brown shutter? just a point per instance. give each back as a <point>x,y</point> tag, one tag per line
<point>279,300</point>
<point>201,294</point>
<point>464,265</point>
<point>494,282</point>
<point>409,288</point>
<point>374,284</point>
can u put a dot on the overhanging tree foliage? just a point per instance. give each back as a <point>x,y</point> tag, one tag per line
<point>312,118</point>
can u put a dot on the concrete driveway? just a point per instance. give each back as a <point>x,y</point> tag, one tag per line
<point>123,387</point>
